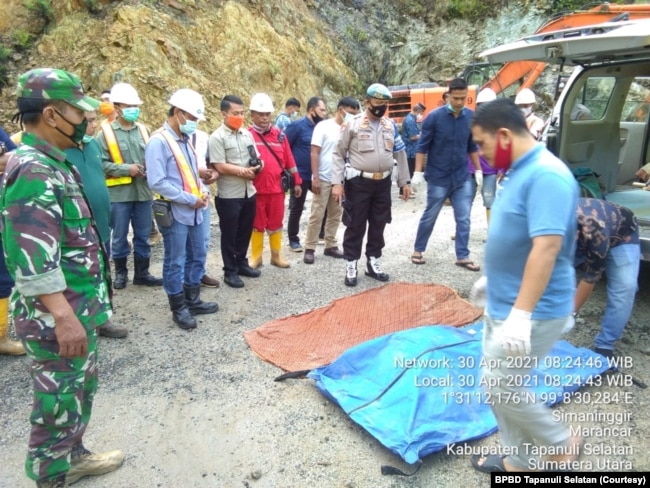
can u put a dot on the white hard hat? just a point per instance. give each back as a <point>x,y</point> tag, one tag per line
<point>125,93</point>
<point>189,101</point>
<point>262,103</point>
<point>525,97</point>
<point>486,95</point>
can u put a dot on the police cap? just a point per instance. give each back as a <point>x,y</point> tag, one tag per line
<point>378,91</point>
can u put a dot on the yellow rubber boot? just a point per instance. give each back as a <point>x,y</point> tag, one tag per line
<point>257,246</point>
<point>275,240</point>
<point>6,346</point>
<point>487,215</point>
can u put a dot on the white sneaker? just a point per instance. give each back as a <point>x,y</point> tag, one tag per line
<point>351,273</point>
<point>374,270</point>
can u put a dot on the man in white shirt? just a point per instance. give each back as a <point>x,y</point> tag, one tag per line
<point>323,142</point>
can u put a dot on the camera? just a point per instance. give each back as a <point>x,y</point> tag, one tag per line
<point>254,162</point>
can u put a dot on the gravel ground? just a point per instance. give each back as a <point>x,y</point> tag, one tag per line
<point>200,409</point>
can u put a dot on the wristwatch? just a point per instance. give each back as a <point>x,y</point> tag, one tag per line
<point>3,148</point>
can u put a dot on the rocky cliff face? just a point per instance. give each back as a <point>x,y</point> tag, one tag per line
<point>285,48</point>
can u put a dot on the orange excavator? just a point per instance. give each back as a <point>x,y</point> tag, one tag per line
<point>526,72</point>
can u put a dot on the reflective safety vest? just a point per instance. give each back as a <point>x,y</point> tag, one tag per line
<point>190,183</point>
<point>116,154</point>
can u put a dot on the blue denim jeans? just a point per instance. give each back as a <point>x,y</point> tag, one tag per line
<point>138,215</point>
<point>206,234</point>
<point>184,260</point>
<point>6,281</point>
<point>488,190</point>
<point>622,269</point>
<point>461,201</point>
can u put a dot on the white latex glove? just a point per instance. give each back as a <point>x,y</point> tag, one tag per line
<point>515,333</point>
<point>570,323</point>
<point>478,176</point>
<point>478,295</point>
<point>418,179</point>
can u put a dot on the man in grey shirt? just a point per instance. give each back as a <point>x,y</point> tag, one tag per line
<point>233,154</point>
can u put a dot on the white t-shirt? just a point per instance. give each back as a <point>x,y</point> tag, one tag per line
<point>325,136</point>
<point>200,141</point>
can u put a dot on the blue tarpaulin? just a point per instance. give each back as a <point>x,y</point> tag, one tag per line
<point>418,390</point>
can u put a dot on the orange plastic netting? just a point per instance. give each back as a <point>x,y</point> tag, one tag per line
<point>316,338</point>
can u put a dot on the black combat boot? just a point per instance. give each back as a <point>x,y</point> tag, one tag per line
<point>194,302</point>
<point>142,275</point>
<point>121,273</point>
<point>180,312</point>
<point>53,483</point>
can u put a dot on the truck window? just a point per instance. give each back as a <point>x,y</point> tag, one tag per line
<point>594,98</point>
<point>633,129</point>
<point>637,101</point>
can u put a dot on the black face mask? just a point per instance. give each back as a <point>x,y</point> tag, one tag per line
<point>316,118</point>
<point>79,129</point>
<point>377,111</point>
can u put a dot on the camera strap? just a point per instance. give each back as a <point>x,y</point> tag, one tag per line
<point>272,151</point>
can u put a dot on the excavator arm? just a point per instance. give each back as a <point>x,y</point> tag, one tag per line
<point>526,72</point>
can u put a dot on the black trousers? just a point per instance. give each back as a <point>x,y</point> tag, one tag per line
<point>366,202</point>
<point>236,216</point>
<point>296,206</point>
<point>411,163</point>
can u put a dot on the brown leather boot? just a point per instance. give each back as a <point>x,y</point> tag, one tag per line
<point>12,348</point>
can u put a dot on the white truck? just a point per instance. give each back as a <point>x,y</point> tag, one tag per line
<point>601,120</point>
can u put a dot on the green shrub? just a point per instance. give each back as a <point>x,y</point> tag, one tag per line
<point>471,9</point>
<point>22,39</point>
<point>562,6</point>
<point>92,6</point>
<point>4,58</point>
<point>43,9</point>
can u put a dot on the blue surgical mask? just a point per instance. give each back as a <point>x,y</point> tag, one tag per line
<point>451,109</point>
<point>189,127</point>
<point>348,117</point>
<point>131,114</point>
<point>86,139</point>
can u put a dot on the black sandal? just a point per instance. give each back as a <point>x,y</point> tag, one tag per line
<point>492,464</point>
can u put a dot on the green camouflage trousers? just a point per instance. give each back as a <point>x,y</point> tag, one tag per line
<point>63,398</point>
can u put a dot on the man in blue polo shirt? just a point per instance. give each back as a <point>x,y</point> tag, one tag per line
<point>299,136</point>
<point>446,139</point>
<point>530,284</point>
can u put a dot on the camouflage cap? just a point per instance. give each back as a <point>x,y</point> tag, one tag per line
<point>55,84</point>
<point>378,91</point>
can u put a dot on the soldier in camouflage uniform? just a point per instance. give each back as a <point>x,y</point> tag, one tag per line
<point>62,288</point>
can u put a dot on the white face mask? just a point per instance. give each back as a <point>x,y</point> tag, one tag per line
<point>527,111</point>
<point>347,118</point>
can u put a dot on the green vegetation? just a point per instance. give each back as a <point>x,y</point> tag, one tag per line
<point>559,6</point>
<point>4,61</point>
<point>472,9</point>
<point>92,6</point>
<point>43,9</point>
<point>22,39</point>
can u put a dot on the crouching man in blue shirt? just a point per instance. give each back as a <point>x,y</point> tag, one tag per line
<point>608,241</point>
